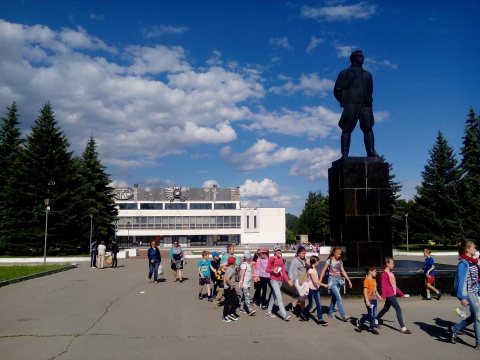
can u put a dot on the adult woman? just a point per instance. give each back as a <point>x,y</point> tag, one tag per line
<point>467,290</point>
<point>177,261</point>
<point>154,260</point>
<point>296,270</point>
<point>334,268</point>
<point>276,269</point>
<point>262,277</point>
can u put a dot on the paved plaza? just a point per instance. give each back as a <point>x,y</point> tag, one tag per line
<point>116,314</point>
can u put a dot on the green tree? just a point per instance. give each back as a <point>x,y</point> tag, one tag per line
<point>315,218</point>
<point>436,212</point>
<point>470,183</point>
<point>50,172</point>
<point>10,176</point>
<point>95,196</point>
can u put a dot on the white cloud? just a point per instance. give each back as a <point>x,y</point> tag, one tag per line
<point>314,42</point>
<point>209,183</point>
<point>281,42</point>
<point>362,10</point>
<point>264,189</point>
<point>311,163</point>
<point>157,31</point>
<point>308,84</point>
<point>345,51</point>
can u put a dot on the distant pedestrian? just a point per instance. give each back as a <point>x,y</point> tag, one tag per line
<point>245,283</point>
<point>370,296</point>
<point>93,254</point>
<point>176,259</point>
<point>278,273</point>
<point>101,253</point>
<point>204,276</point>
<point>466,289</point>
<point>114,254</point>
<point>429,273</point>
<point>231,296</point>
<point>334,270</point>
<point>389,293</point>
<point>314,284</point>
<point>154,260</point>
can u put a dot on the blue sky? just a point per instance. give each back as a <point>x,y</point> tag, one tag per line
<point>239,93</point>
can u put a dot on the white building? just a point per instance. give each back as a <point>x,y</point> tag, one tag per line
<point>195,217</point>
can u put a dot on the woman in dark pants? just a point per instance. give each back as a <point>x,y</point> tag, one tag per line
<point>114,254</point>
<point>154,260</point>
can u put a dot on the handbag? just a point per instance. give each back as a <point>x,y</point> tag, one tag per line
<point>302,279</point>
<point>109,261</point>
<point>161,271</point>
<point>327,274</point>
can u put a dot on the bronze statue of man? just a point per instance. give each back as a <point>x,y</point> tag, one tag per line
<point>353,90</point>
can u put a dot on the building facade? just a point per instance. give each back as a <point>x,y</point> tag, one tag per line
<point>206,217</point>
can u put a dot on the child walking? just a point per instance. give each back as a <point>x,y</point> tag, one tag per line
<point>429,272</point>
<point>219,280</point>
<point>245,283</point>
<point>313,292</point>
<point>231,297</point>
<point>389,291</point>
<point>334,270</point>
<point>466,289</point>
<point>370,296</point>
<point>204,276</point>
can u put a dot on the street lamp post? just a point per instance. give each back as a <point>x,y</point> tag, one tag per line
<point>91,231</point>
<point>128,234</point>
<point>406,226</point>
<point>115,219</point>
<point>47,209</point>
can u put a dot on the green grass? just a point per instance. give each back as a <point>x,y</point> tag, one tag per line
<point>17,271</point>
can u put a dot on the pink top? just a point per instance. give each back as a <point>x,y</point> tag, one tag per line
<point>260,268</point>
<point>389,285</point>
<point>273,264</point>
<point>312,279</point>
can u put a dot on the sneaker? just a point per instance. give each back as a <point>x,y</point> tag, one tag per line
<point>377,326</point>
<point>406,331</point>
<point>359,325</point>
<point>477,347</point>
<point>270,314</point>
<point>426,298</point>
<point>346,318</point>
<point>200,297</point>
<point>242,310</point>
<point>439,295</point>
<point>149,280</point>
<point>373,332</point>
<point>453,335</point>
<point>330,315</point>
<point>210,300</point>
<point>226,319</point>
<point>322,323</point>
<point>155,282</point>
<point>287,318</point>
<point>252,312</point>
<point>232,317</point>
<point>264,307</point>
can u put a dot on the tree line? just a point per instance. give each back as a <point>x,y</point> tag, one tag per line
<point>41,166</point>
<point>445,208</point>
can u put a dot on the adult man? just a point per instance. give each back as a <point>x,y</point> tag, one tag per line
<point>93,254</point>
<point>353,90</point>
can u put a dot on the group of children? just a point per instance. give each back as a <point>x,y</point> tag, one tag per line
<point>220,276</point>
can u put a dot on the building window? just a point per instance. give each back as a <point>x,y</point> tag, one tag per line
<point>254,221</point>
<point>127,206</point>
<point>176,206</point>
<point>248,222</point>
<point>151,206</point>
<point>200,206</point>
<point>225,206</point>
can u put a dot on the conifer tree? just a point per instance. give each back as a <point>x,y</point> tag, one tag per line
<point>10,179</point>
<point>470,184</point>
<point>50,173</point>
<point>436,212</point>
<point>94,196</point>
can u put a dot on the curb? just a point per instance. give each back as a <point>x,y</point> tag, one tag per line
<point>33,276</point>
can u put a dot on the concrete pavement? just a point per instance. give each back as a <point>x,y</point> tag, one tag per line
<point>88,313</point>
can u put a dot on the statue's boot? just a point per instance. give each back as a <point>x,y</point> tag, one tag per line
<point>345,144</point>
<point>369,141</point>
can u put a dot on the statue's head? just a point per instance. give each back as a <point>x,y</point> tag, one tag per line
<point>356,57</point>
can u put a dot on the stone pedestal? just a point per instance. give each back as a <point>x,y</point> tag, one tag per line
<point>360,212</point>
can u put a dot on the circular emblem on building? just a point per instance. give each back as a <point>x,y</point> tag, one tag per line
<point>122,194</point>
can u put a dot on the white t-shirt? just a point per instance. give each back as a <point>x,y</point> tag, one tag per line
<point>247,279</point>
